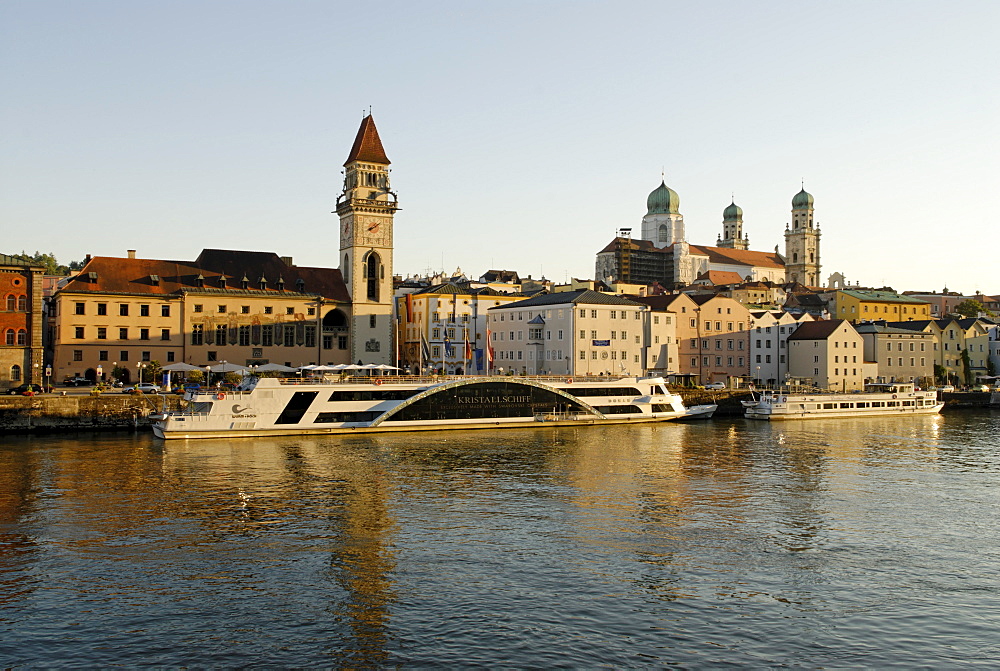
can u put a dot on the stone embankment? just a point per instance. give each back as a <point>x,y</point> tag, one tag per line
<point>106,412</point>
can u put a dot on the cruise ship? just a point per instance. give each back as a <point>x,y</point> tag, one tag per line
<point>876,399</point>
<point>279,407</point>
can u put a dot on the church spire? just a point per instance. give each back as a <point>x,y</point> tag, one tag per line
<point>367,145</point>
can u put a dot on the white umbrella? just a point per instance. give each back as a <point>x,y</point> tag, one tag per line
<point>369,366</point>
<point>383,366</point>
<point>275,368</point>
<point>310,366</point>
<point>229,368</point>
<point>323,369</point>
<point>180,366</point>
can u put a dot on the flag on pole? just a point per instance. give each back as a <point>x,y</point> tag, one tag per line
<point>468,346</point>
<point>448,349</point>
<point>409,308</point>
<point>424,348</point>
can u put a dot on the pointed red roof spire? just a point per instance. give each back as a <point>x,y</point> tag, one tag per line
<point>367,145</point>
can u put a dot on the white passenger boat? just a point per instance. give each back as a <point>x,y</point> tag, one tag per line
<point>877,399</point>
<point>277,407</point>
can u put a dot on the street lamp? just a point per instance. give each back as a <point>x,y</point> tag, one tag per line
<point>139,367</point>
<point>758,376</point>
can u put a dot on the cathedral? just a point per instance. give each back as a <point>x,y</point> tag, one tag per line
<point>662,253</point>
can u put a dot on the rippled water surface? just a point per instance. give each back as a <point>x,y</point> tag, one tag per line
<point>868,543</point>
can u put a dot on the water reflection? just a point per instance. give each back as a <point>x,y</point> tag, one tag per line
<point>771,543</point>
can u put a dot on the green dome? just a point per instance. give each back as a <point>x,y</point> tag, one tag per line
<point>663,200</point>
<point>734,211</point>
<point>802,199</point>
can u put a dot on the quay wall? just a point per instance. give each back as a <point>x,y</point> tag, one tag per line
<point>107,412</point>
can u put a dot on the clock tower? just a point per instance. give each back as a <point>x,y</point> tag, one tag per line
<point>366,207</point>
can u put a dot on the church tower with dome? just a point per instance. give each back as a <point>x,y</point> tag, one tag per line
<point>663,224</point>
<point>732,229</point>
<point>802,243</point>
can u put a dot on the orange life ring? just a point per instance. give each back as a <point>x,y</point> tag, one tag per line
<point>894,396</point>
<point>377,382</point>
<point>220,396</point>
<point>569,380</point>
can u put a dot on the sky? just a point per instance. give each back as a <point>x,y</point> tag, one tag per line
<point>522,135</point>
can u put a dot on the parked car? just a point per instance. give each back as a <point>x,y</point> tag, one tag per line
<point>715,385</point>
<point>25,389</point>
<point>980,387</point>
<point>77,382</point>
<point>947,389</point>
<point>183,389</point>
<point>144,388</point>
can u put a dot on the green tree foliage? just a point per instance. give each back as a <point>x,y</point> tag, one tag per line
<point>967,367</point>
<point>49,262</point>
<point>971,308</point>
<point>940,373</point>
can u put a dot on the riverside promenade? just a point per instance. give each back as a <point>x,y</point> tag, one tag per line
<point>49,413</point>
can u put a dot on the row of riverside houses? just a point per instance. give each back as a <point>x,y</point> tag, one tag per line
<point>660,305</point>
<point>458,328</point>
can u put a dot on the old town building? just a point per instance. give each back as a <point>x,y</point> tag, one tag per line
<point>21,322</point>
<point>829,354</point>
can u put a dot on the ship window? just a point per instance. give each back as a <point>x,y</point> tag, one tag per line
<point>374,395</point>
<point>296,407</point>
<point>617,409</point>
<point>330,417</point>
<point>486,400</point>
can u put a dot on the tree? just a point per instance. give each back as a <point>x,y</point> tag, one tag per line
<point>940,373</point>
<point>972,308</point>
<point>49,262</point>
<point>967,367</point>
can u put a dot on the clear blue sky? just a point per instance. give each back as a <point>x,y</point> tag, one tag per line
<point>522,134</point>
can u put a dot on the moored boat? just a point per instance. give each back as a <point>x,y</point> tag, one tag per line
<point>876,399</point>
<point>271,406</point>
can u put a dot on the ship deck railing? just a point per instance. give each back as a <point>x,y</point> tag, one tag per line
<point>438,379</point>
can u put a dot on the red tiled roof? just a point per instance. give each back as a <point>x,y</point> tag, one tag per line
<point>718,277</point>
<point>367,145</point>
<point>743,257</point>
<point>136,276</point>
<point>818,330</point>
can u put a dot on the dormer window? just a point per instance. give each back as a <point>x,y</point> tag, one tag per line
<point>199,281</point>
<point>92,276</point>
<point>300,285</point>
<point>154,280</point>
<point>245,282</point>
<point>222,281</point>
<point>280,284</point>
<point>263,283</point>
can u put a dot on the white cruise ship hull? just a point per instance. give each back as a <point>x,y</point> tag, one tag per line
<point>886,400</point>
<point>283,408</point>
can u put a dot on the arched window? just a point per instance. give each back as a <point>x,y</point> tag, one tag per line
<point>373,266</point>
<point>10,335</point>
<point>795,257</point>
<point>335,320</point>
<point>15,373</point>
<point>663,234</point>
<point>11,303</point>
<point>22,337</point>
<point>22,303</point>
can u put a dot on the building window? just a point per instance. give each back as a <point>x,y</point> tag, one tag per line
<point>15,373</point>
<point>170,357</point>
<point>222,309</point>
<point>164,310</point>
<point>213,356</point>
<point>311,311</point>
<point>78,332</point>
<point>268,310</point>
<point>123,309</point>
<point>143,310</point>
<point>593,355</point>
<point>197,334</point>
<point>102,309</point>
<point>102,355</point>
<point>145,356</point>
<point>289,311</point>
<point>244,336</point>
<point>245,309</point>
<point>102,333</point>
<point>310,335</point>
<point>123,355</point>
<point>143,334</point>
<point>593,314</point>
<point>80,308</point>
<point>78,355</point>
<point>220,335</point>
<point>123,333</point>
<point>327,342</point>
<point>199,308</point>
<point>371,321</point>
<point>164,334</point>
<point>342,342</point>
<point>289,340</point>
<point>267,336</point>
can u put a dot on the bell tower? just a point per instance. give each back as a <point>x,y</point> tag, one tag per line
<point>802,243</point>
<point>366,207</point>
<point>732,228</point>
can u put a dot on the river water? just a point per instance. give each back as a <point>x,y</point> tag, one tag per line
<point>867,543</point>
